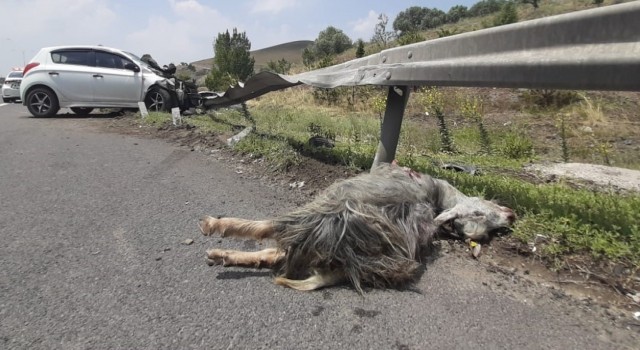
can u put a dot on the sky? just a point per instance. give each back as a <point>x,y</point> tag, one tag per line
<point>175,31</point>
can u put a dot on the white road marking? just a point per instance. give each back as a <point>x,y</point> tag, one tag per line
<point>3,104</point>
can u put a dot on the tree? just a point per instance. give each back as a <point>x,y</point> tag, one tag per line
<point>433,18</point>
<point>457,13</point>
<point>381,36</point>
<point>486,7</point>
<point>331,41</point>
<point>533,3</point>
<point>417,18</point>
<point>360,48</point>
<point>232,61</point>
<point>409,20</point>
<point>507,15</point>
<point>308,57</point>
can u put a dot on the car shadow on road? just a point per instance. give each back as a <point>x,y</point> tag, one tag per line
<point>94,115</point>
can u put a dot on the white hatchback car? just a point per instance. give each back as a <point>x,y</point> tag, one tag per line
<point>11,86</point>
<point>86,77</point>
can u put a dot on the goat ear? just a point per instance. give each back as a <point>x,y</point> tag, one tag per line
<point>445,216</point>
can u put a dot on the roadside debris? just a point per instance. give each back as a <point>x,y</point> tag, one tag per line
<point>475,247</point>
<point>469,169</point>
<point>233,140</point>
<point>187,241</point>
<point>296,184</point>
<point>532,245</point>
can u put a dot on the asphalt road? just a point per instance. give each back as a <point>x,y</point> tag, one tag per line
<point>92,226</point>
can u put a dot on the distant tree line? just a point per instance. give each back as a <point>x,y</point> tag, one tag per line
<point>416,18</point>
<point>233,62</point>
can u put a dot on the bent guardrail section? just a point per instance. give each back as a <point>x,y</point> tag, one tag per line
<point>597,49</point>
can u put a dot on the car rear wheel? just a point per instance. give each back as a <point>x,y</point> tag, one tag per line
<point>42,102</point>
<point>81,110</point>
<point>158,100</point>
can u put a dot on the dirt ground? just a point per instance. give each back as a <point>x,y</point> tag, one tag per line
<point>596,290</point>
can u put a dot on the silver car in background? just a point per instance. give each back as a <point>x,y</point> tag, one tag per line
<point>11,86</point>
<point>86,77</point>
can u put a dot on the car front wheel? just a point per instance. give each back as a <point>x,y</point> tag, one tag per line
<point>42,102</point>
<point>158,100</point>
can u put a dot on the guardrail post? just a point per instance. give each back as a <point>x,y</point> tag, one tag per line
<point>397,98</point>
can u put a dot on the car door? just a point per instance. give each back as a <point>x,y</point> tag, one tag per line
<point>70,75</point>
<point>114,84</point>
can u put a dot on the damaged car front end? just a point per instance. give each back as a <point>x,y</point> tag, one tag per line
<point>169,92</point>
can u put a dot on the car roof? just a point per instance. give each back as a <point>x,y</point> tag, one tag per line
<point>90,47</point>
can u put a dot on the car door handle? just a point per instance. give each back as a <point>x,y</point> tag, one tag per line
<point>98,76</point>
<point>53,73</point>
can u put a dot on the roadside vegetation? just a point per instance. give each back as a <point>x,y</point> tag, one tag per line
<point>561,218</point>
<point>499,131</point>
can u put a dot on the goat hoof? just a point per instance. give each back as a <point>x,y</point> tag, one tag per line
<point>206,225</point>
<point>211,262</point>
<point>217,256</point>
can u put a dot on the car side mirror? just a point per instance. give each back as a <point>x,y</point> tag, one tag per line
<point>131,66</point>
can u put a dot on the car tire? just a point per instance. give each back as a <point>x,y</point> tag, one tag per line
<point>42,102</point>
<point>6,100</point>
<point>158,100</point>
<point>81,110</point>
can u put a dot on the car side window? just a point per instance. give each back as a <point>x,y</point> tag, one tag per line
<point>77,57</point>
<point>109,60</point>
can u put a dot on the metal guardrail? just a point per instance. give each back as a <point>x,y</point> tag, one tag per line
<point>597,49</point>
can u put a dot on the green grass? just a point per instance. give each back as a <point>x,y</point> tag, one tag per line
<point>157,119</point>
<point>601,225</point>
<point>562,220</point>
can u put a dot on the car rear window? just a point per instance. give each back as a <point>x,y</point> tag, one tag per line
<point>77,57</point>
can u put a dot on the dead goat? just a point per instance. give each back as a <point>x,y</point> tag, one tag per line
<point>368,230</point>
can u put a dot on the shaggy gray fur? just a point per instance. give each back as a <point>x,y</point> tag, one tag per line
<point>373,227</point>
<point>370,229</point>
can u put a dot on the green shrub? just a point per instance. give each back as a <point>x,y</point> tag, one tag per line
<point>410,38</point>
<point>547,98</point>
<point>516,145</point>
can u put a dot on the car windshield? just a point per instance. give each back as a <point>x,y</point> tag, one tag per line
<point>137,59</point>
<point>15,75</point>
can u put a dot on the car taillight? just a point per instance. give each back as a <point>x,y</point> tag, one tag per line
<point>28,67</point>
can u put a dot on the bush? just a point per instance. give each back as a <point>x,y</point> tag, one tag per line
<point>507,15</point>
<point>516,145</point>
<point>410,38</point>
<point>547,98</point>
<point>485,7</point>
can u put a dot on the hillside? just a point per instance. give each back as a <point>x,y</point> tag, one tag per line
<point>291,52</point>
